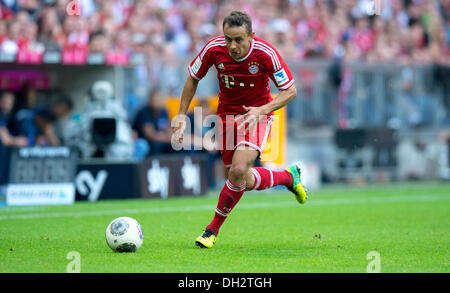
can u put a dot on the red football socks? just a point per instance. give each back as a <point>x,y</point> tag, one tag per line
<point>231,194</point>
<point>265,178</point>
<point>228,198</point>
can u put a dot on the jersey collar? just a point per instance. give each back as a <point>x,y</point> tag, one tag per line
<point>248,53</point>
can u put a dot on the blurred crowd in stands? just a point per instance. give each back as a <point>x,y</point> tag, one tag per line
<point>405,30</point>
<point>170,32</point>
<point>23,122</point>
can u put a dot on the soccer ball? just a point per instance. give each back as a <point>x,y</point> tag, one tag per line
<point>124,234</point>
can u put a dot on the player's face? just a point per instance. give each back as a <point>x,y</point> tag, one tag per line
<point>238,40</point>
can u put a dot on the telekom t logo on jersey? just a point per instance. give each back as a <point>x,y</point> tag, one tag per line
<point>229,81</point>
<point>73,8</point>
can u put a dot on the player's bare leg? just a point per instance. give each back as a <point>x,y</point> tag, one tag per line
<point>243,159</point>
<point>249,178</point>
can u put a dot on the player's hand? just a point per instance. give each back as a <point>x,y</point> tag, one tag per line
<point>178,127</point>
<point>250,119</point>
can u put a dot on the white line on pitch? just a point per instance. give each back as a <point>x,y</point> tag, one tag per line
<point>318,202</point>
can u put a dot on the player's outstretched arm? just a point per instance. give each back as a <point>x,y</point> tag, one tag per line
<point>190,87</point>
<point>178,127</point>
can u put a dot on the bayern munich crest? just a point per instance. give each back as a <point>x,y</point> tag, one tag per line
<point>253,68</point>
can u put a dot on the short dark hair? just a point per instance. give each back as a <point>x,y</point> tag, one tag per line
<point>238,18</point>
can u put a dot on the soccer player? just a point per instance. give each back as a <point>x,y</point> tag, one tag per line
<point>244,65</point>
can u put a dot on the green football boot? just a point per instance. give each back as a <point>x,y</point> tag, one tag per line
<point>297,188</point>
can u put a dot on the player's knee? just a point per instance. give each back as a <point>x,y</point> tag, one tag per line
<point>238,171</point>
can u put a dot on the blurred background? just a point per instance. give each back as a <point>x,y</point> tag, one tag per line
<point>103,78</point>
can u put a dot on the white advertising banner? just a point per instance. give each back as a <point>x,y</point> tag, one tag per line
<point>40,194</point>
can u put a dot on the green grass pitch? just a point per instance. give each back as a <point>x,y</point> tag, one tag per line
<point>267,232</point>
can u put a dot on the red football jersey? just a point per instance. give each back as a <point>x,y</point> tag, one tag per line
<point>245,81</point>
